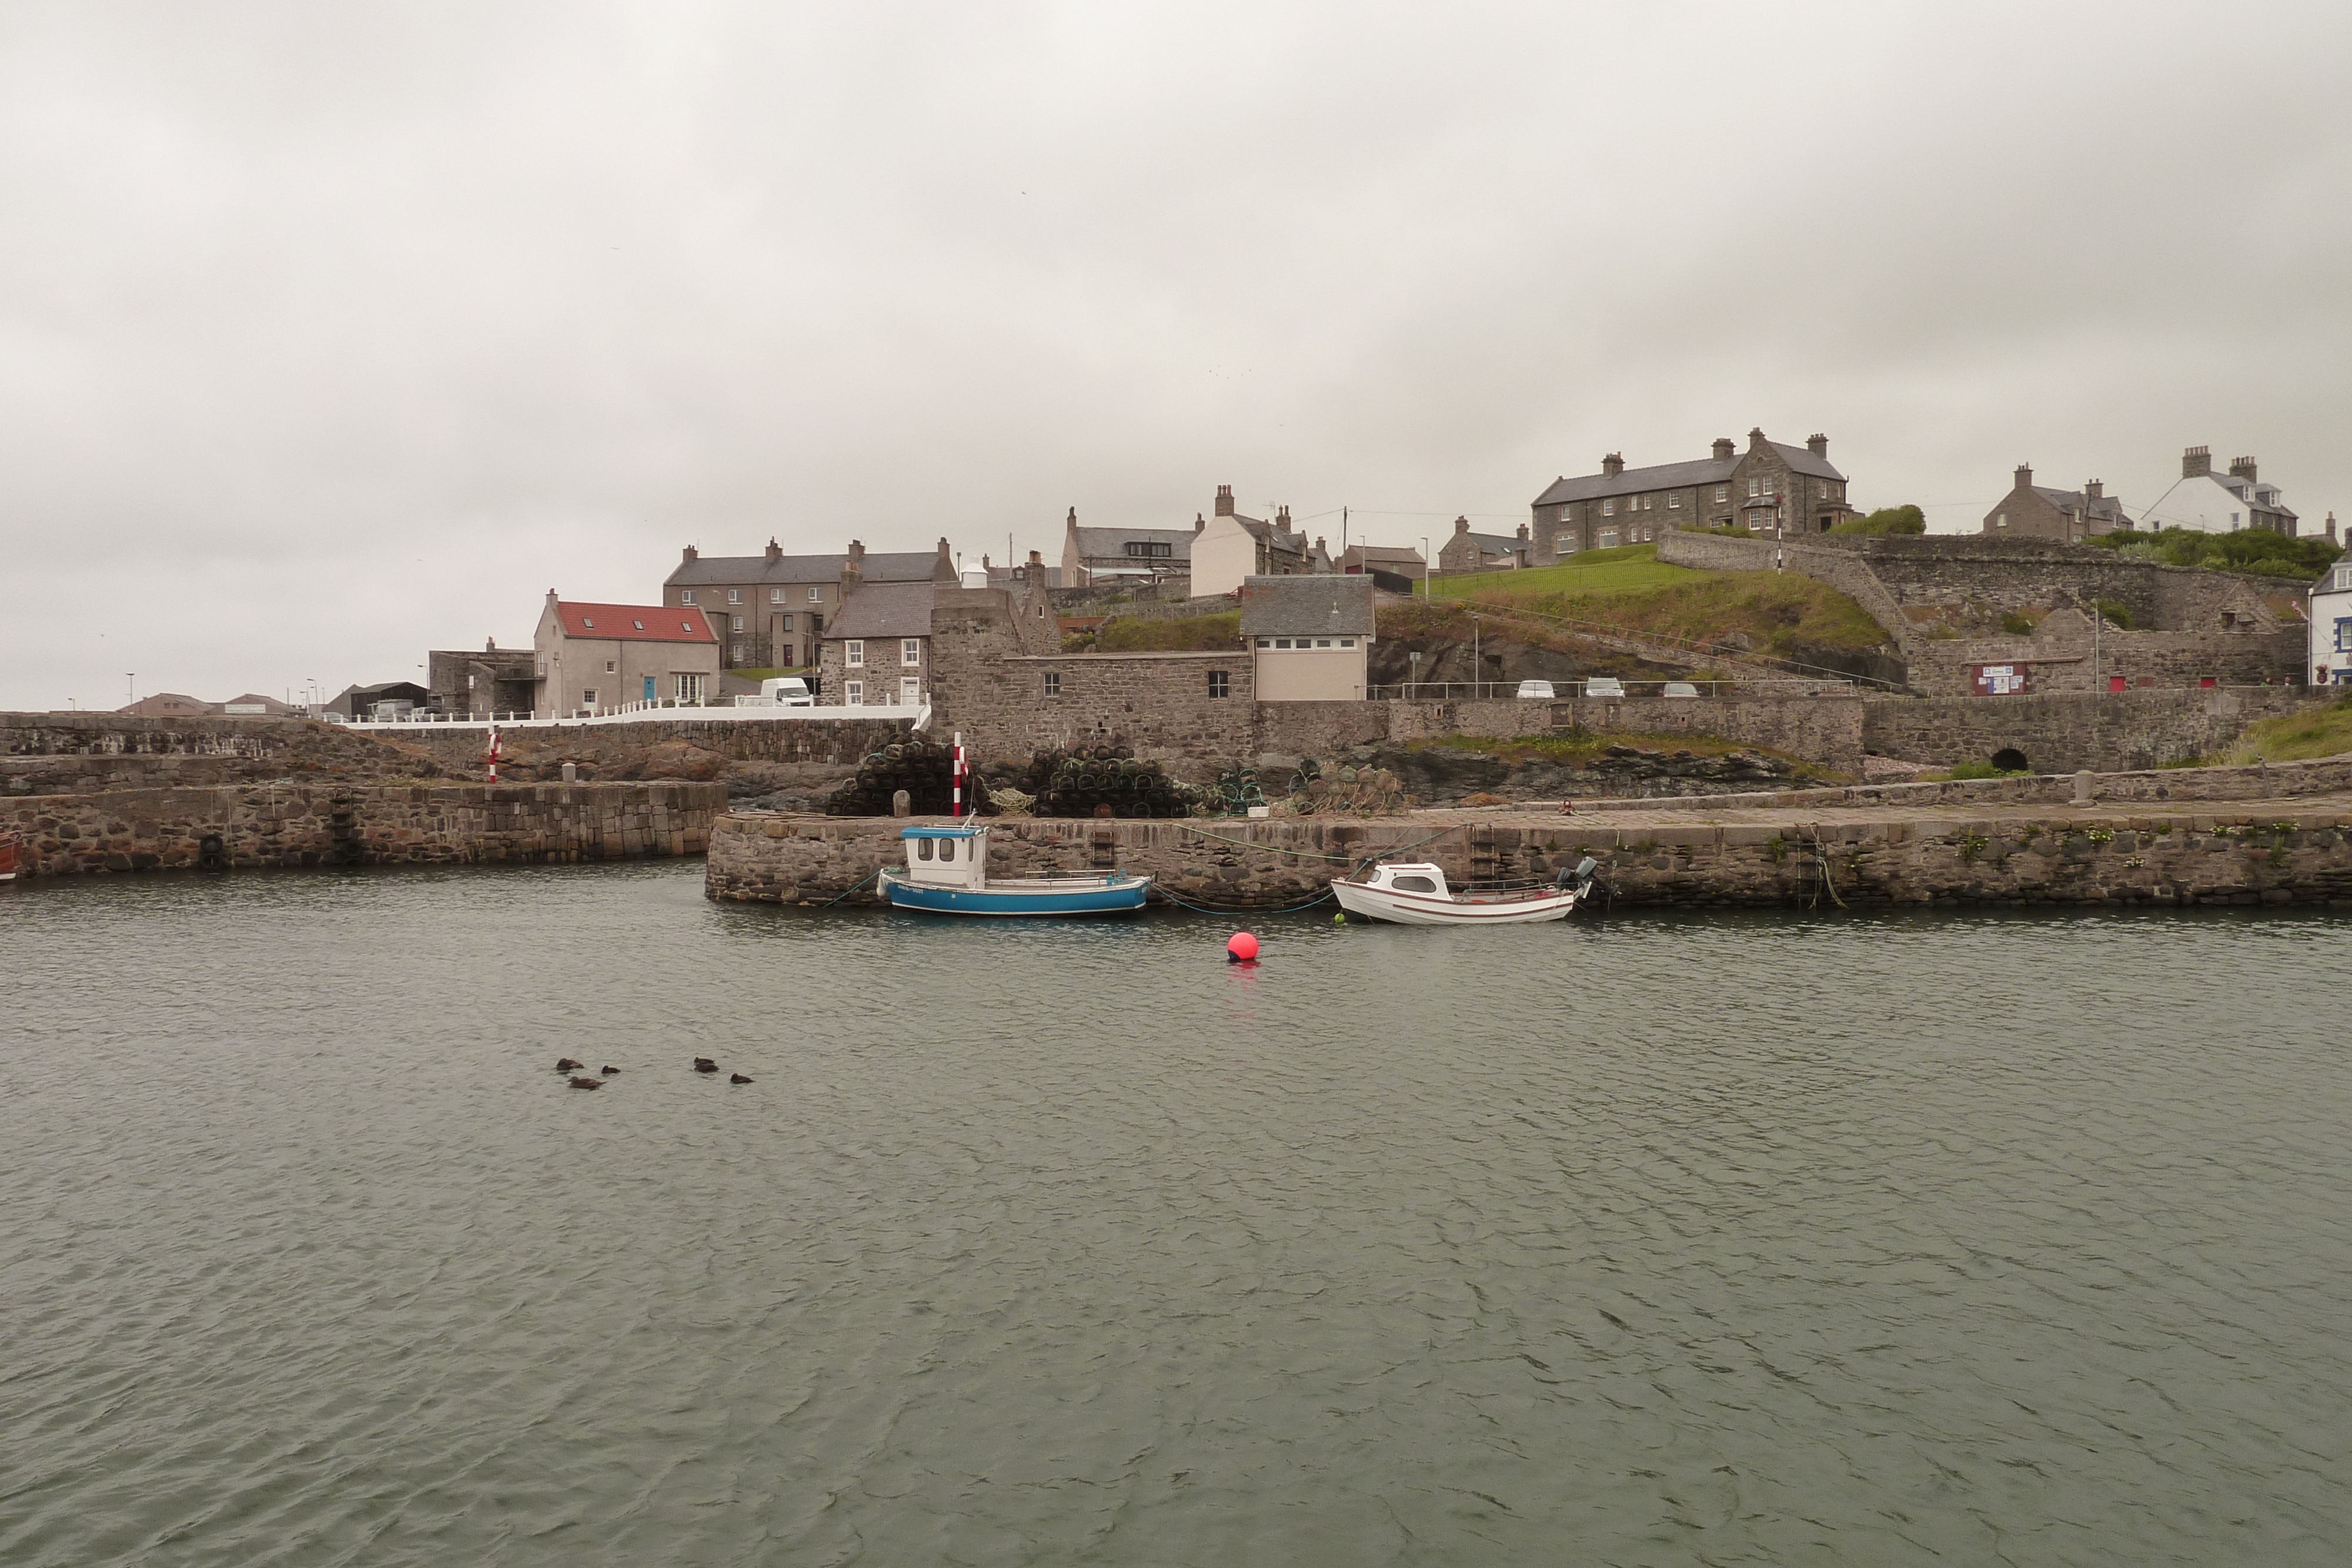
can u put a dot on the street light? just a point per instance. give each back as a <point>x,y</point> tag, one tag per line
<point>1425,568</point>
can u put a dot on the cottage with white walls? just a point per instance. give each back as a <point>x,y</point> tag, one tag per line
<point>594,658</point>
<point>2331,626</point>
<point>2209,503</point>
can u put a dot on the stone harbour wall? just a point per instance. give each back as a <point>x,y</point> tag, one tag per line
<point>88,753</point>
<point>2293,854</point>
<point>233,827</point>
<point>838,742</point>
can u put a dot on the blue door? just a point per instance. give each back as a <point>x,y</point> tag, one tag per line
<point>649,688</point>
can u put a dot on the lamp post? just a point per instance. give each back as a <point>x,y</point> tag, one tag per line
<point>1425,568</point>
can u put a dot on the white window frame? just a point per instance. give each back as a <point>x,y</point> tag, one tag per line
<point>689,685</point>
<point>685,596</point>
<point>1564,544</point>
<point>1723,492</point>
<point>734,596</point>
<point>853,653</point>
<point>2344,634</point>
<point>853,694</point>
<point>1608,508</point>
<point>816,596</point>
<point>611,667</point>
<point>1673,500</point>
<point>1347,642</point>
<point>910,650</point>
<point>775,596</point>
<point>588,697</point>
<point>736,623</point>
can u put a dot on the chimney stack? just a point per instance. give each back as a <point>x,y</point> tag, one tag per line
<point>1224,500</point>
<point>2025,476</point>
<point>1199,522</point>
<point>1723,449</point>
<point>1073,519</point>
<point>1613,464</point>
<point>775,550</point>
<point>1817,445</point>
<point>2195,461</point>
<point>2095,489</point>
<point>2331,528</point>
<point>1523,533</point>
<point>1036,560</point>
<point>1460,525</point>
<point>1756,439</point>
<point>2242,468</point>
<point>691,553</point>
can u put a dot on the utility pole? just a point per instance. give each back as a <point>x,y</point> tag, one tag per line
<point>1478,669</point>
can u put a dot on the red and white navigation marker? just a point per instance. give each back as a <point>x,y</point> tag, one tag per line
<point>492,753</point>
<point>959,777</point>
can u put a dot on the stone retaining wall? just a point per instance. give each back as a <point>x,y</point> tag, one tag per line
<point>839,742</point>
<point>2063,732</point>
<point>87,753</point>
<point>2285,854</point>
<point>359,824</point>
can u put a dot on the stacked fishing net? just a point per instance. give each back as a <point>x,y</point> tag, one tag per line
<point>1105,781</point>
<point>925,769</point>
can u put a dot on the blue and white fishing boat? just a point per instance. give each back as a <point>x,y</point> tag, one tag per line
<point>946,874</point>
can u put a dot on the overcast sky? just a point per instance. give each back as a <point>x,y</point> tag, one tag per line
<point>332,333</point>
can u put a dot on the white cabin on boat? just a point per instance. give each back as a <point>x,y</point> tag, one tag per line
<point>947,857</point>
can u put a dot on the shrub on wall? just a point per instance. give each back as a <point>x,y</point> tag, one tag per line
<point>2254,550</point>
<point>1904,519</point>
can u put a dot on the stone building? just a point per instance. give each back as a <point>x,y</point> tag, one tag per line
<point>1095,556</point>
<point>1470,552</point>
<point>492,680</point>
<point>1310,637</point>
<point>1375,561</point>
<point>770,610</point>
<point>1771,488</point>
<point>876,652</point>
<point>2038,512</point>
<point>2210,503</point>
<point>589,658</point>
<point>1232,548</point>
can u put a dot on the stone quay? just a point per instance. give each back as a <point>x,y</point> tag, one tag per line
<point>251,825</point>
<point>2235,836</point>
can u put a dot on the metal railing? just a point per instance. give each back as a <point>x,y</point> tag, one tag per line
<point>1569,691</point>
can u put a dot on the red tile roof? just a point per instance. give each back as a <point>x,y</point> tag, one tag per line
<point>634,622</point>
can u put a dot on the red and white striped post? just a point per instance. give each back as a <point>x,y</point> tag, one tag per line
<point>493,754</point>
<point>959,776</point>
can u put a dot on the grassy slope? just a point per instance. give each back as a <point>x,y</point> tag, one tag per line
<point>2298,737</point>
<point>1628,587</point>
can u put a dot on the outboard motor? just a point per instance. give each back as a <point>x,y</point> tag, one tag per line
<point>1579,877</point>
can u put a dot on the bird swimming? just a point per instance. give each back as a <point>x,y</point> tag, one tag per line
<point>609,1069</point>
<point>704,1064</point>
<point>737,1078</point>
<point>587,1084</point>
<point>565,1064</point>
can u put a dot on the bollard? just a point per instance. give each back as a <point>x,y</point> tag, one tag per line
<point>2084,790</point>
<point>571,773</point>
<point>902,804</point>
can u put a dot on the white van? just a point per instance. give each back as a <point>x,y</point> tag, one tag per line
<point>1539,689</point>
<point>1604,686</point>
<point>787,691</point>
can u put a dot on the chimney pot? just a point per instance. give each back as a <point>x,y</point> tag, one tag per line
<point>1818,444</point>
<point>2025,476</point>
<point>2196,460</point>
<point>1613,464</point>
<point>1723,448</point>
<point>1224,500</point>
<point>690,553</point>
<point>1461,525</point>
<point>2095,489</point>
<point>1036,560</point>
<point>2242,468</point>
<point>1755,438</point>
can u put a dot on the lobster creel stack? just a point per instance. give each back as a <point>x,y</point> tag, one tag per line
<point>925,769</point>
<point>1094,781</point>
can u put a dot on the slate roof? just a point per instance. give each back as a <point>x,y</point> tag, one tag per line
<point>881,609</point>
<point>1494,544</point>
<point>1679,476</point>
<point>728,571</point>
<point>1321,606</point>
<point>2106,507</point>
<point>634,622</point>
<point>1096,543</point>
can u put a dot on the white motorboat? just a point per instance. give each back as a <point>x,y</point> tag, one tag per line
<point>1414,893</point>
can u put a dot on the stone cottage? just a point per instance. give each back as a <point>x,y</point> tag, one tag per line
<point>1771,486</point>
<point>770,610</point>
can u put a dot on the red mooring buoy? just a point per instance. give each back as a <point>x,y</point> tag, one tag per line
<point>1242,949</point>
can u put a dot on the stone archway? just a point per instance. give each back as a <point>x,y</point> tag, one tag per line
<point>2008,759</point>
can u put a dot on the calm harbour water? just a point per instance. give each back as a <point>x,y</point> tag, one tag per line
<point>1758,1239</point>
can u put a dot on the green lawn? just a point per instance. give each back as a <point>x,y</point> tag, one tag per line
<point>1629,569</point>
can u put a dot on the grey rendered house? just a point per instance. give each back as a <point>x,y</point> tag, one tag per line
<point>770,610</point>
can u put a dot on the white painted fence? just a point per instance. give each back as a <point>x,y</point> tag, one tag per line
<point>758,710</point>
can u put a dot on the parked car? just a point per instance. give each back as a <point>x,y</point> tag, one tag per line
<point>1542,689</point>
<point>1604,686</point>
<point>787,691</point>
<point>1681,689</point>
